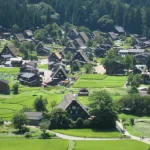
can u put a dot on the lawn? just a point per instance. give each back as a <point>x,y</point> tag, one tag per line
<point>91,133</point>
<point>24,144</point>
<point>111,145</point>
<point>100,81</point>
<point>43,66</point>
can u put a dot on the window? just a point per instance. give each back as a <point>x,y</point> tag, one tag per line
<point>73,107</point>
<point>70,111</point>
<point>76,112</point>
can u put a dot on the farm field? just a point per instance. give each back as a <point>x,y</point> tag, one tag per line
<point>91,133</point>
<point>43,66</point>
<point>14,70</point>
<point>100,81</point>
<point>9,104</point>
<point>140,128</point>
<point>111,145</point>
<point>24,144</point>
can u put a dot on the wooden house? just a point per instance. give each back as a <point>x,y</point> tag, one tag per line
<point>55,57</point>
<point>113,36</point>
<point>146,77</point>
<point>16,61</point>
<point>28,34</point>
<point>81,57</point>
<point>83,37</point>
<point>83,92</point>
<point>41,50</point>
<point>73,107</point>
<point>4,87</point>
<point>29,79</point>
<point>34,118</point>
<point>116,67</point>
<point>59,74</point>
<point>141,58</point>
<point>20,37</point>
<point>9,51</point>
<point>138,69</point>
<point>78,43</point>
<point>119,30</point>
<point>73,34</point>
<point>6,35</point>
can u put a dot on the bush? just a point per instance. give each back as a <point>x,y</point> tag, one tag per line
<point>44,136</point>
<point>4,131</point>
<point>79,123</point>
<point>87,123</point>
<point>27,135</point>
<point>25,129</point>
<point>132,121</point>
<point>1,122</point>
<point>126,124</point>
<point>124,119</point>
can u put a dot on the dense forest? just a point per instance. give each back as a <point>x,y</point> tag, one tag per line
<point>133,15</point>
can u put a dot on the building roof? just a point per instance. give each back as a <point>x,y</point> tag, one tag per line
<point>75,31</point>
<point>132,51</point>
<point>28,75</point>
<point>113,35</point>
<point>143,54</point>
<point>20,37</point>
<point>83,54</point>
<point>16,59</point>
<point>119,29</point>
<point>68,99</point>
<point>84,36</point>
<point>34,115</point>
<point>80,42</point>
<point>4,81</point>
<point>28,32</point>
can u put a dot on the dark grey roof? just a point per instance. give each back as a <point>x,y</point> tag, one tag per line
<point>143,54</point>
<point>51,63</point>
<point>20,37</point>
<point>28,75</point>
<point>68,99</point>
<point>84,55</point>
<point>34,115</point>
<point>4,81</point>
<point>119,29</point>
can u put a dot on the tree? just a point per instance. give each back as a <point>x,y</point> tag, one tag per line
<point>15,29</point>
<point>15,88</point>
<point>128,60</point>
<point>19,120</point>
<point>104,110</point>
<point>88,68</point>
<point>40,34</point>
<point>44,126</point>
<point>59,119</point>
<point>53,104</point>
<point>40,104</point>
<point>79,123</point>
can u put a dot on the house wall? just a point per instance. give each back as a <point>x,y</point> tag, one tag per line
<point>76,111</point>
<point>4,88</point>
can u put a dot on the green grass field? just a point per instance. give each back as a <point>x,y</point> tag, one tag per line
<point>100,81</point>
<point>24,144</point>
<point>90,133</point>
<point>43,66</point>
<point>14,70</point>
<point>111,145</point>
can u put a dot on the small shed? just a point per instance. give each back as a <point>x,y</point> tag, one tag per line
<point>34,117</point>
<point>83,92</point>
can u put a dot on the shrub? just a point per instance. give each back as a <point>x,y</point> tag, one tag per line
<point>87,123</point>
<point>1,122</point>
<point>25,129</point>
<point>126,124</point>
<point>27,135</point>
<point>4,131</point>
<point>132,121</point>
<point>44,136</point>
<point>79,123</point>
<point>124,119</point>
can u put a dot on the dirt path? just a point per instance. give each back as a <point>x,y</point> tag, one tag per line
<point>100,69</point>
